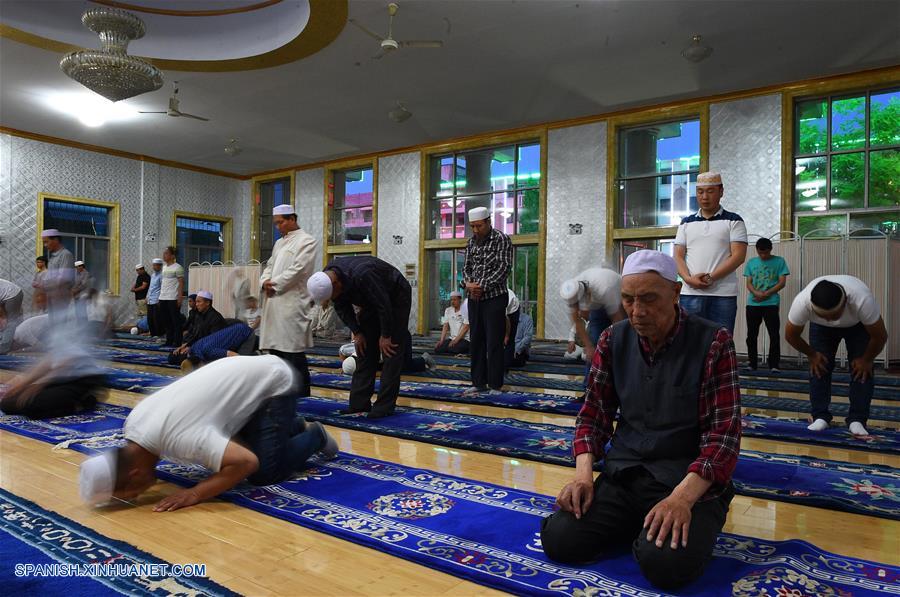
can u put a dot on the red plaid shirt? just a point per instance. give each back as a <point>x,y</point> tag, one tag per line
<point>719,406</point>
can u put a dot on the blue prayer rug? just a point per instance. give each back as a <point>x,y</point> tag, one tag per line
<point>45,553</point>
<point>489,535</point>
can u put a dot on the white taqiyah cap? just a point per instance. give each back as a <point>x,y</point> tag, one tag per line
<point>641,262</point>
<point>478,213</point>
<point>135,331</point>
<point>283,210</point>
<point>77,263</point>
<point>139,266</point>
<point>709,179</point>
<point>205,294</point>
<point>49,232</point>
<point>319,287</point>
<point>349,366</point>
<point>571,291</point>
<point>158,261</point>
<point>97,478</point>
<point>456,294</point>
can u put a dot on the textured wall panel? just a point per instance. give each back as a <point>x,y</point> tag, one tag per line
<point>309,189</point>
<point>745,146</point>
<point>398,215</point>
<point>576,194</point>
<point>29,167</point>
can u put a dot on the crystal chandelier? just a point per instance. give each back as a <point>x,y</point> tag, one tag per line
<point>110,71</point>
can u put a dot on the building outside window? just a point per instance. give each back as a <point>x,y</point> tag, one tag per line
<point>846,163</point>
<point>271,193</point>
<point>87,229</point>
<point>351,203</point>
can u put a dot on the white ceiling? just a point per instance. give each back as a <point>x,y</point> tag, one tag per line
<point>504,64</point>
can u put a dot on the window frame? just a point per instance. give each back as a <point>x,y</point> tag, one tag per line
<point>362,248</point>
<point>113,265</point>
<point>255,206</point>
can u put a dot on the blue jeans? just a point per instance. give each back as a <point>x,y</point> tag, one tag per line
<point>718,309</point>
<point>280,439</point>
<point>826,340</point>
<point>597,322</point>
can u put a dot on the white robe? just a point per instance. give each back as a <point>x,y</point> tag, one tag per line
<point>287,316</point>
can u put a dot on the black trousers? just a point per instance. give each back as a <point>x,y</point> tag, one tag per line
<point>297,360</point>
<point>615,520</point>
<point>153,320</point>
<point>487,319</point>
<point>755,316</point>
<point>56,399</point>
<point>462,347</point>
<point>363,384</point>
<point>170,318</point>
<point>509,350</point>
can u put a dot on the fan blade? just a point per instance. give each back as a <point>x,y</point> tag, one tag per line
<point>379,55</point>
<point>186,115</point>
<point>434,43</point>
<point>142,112</point>
<point>364,30</point>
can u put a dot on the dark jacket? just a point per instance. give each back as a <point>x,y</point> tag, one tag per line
<point>203,324</point>
<point>373,285</point>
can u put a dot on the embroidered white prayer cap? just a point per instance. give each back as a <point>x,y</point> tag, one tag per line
<point>97,478</point>
<point>571,291</point>
<point>283,210</point>
<point>478,213</point>
<point>139,266</point>
<point>205,294</point>
<point>50,232</point>
<point>77,263</point>
<point>158,261</point>
<point>646,260</point>
<point>709,179</point>
<point>349,366</point>
<point>456,294</point>
<point>319,287</point>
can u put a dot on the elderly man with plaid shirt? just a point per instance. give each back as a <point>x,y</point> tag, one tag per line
<point>666,484</point>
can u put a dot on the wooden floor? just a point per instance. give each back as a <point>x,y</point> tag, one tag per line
<point>256,554</point>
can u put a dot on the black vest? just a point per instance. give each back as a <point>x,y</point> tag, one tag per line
<point>659,424</point>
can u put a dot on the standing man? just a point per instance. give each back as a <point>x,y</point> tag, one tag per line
<point>11,297</point>
<point>140,287</point>
<point>766,275</point>
<point>154,318</point>
<point>171,295</point>
<point>81,290</point>
<point>59,278</point>
<point>838,308</point>
<point>286,329</point>
<point>456,324</point>
<point>373,299</point>
<point>485,270</point>
<point>709,246</point>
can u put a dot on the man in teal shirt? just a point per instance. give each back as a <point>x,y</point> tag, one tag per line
<point>766,275</point>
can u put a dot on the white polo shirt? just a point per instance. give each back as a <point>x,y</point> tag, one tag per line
<point>861,305</point>
<point>193,419</point>
<point>455,319</point>
<point>170,275</point>
<point>603,290</point>
<point>708,244</point>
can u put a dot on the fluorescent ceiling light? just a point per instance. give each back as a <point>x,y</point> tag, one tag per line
<point>89,108</point>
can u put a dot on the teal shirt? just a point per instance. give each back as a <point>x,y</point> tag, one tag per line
<point>764,275</point>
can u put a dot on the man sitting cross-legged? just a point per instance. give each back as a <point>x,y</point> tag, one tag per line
<point>666,479</point>
<point>237,417</point>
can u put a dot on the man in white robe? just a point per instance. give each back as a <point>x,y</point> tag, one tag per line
<point>286,329</point>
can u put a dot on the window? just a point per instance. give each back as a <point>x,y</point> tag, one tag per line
<point>200,239</point>
<point>271,193</point>
<point>656,172</point>
<point>351,202</point>
<point>523,277</point>
<point>624,248</point>
<point>445,269</point>
<point>90,230</point>
<point>846,163</point>
<point>506,180</point>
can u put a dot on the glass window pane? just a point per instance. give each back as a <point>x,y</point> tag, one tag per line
<point>486,170</point>
<point>440,219</point>
<point>848,123</point>
<point>529,211</point>
<point>885,222</point>
<point>811,127</point>
<point>822,225</point>
<point>96,259</point>
<point>656,201</point>
<point>503,212</point>
<point>810,185</point>
<point>351,219</point>
<point>884,178</point>
<point>523,275</point>
<point>529,174</point>
<point>354,227</point>
<point>441,176</point>
<point>847,180</point>
<point>76,218</point>
<point>664,147</point>
<point>440,284</point>
<point>884,118</point>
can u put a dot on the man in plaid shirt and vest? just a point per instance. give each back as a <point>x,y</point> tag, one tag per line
<point>666,484</point>
<point>487,264</point>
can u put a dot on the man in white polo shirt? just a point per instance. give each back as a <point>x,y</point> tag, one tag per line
<point>838,308</point>
<point>455,331</point>
<point>709,246</point>
<point>237,417</point>
<point>171,295</point>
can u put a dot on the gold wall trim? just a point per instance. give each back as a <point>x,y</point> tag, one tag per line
<point>114,266</point>
<point>227,236</point>
<point>656,232</point>
<point>345,249</point>
<point>254,207</point>
<point>118,153</point>
<point>327,18</point>
<point>186,13</point>
<point>542,239</point>
<point>422,280</point>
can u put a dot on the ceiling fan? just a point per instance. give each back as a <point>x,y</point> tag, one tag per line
<point>389,44</point>
<point>173,107</point>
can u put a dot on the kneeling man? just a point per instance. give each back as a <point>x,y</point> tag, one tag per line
<point>666,478</point>
<point>237,417</point>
